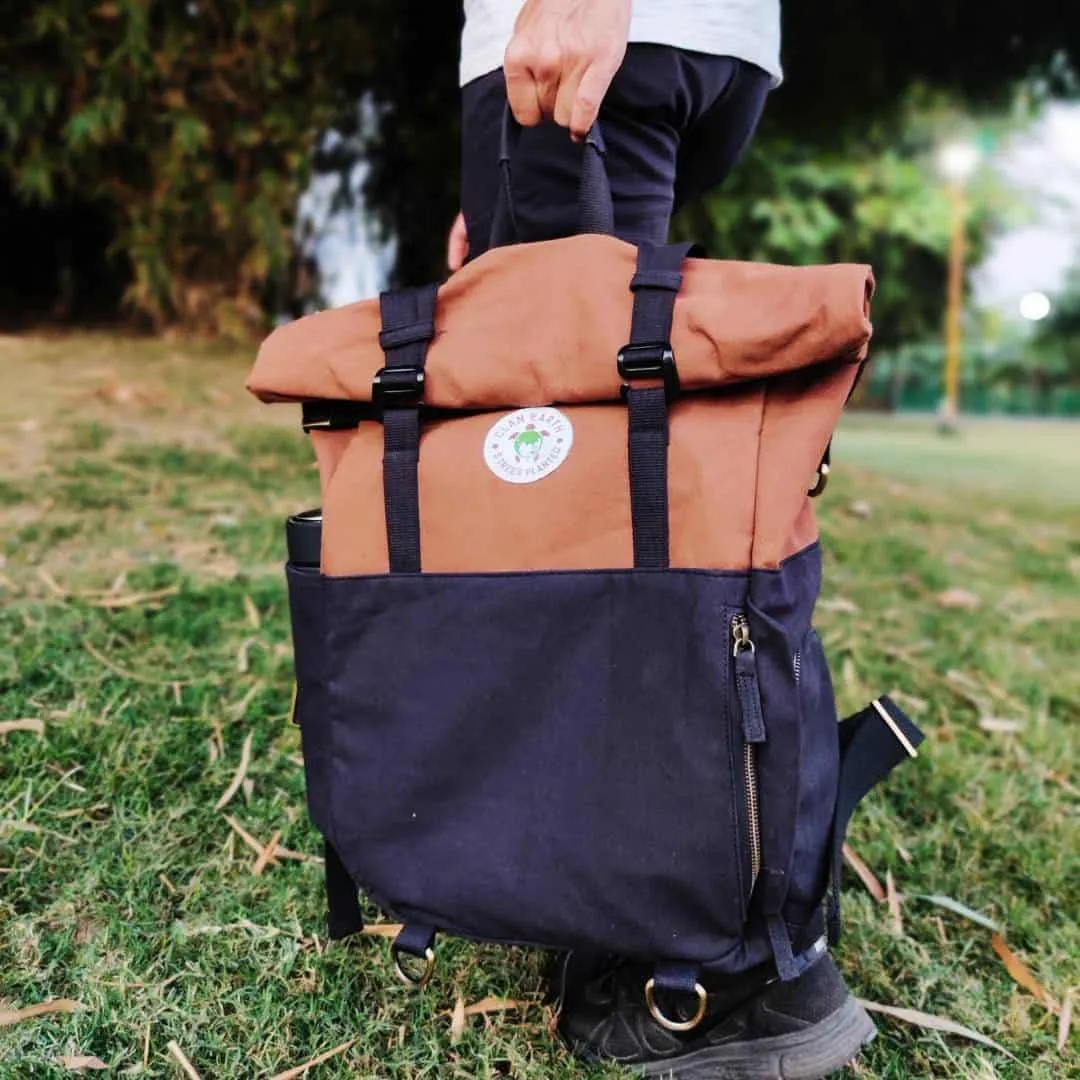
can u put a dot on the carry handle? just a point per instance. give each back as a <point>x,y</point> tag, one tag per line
<point>595,211</point>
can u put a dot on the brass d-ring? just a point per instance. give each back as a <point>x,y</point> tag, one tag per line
<point>417,982</point>
<point>821,480</point>
<point>675,1025</point>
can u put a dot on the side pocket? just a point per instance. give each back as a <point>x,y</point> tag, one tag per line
<point>819,773</point>
<point>306,604</point>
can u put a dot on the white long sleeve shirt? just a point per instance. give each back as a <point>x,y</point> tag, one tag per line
<point>746,29</point>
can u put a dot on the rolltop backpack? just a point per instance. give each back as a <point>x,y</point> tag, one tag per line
<point>557,682</point>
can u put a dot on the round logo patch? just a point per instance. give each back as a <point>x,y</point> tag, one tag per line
<point>528,445</point>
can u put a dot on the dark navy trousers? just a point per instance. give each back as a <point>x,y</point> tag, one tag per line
<point>674,123</point>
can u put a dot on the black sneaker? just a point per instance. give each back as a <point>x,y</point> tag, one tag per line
<point>754,1028</point>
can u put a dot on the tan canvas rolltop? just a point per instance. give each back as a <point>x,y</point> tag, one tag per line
<point>766,355</point>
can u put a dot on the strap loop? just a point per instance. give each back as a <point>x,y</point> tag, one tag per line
<point>342,897</point>
<point>656,278</point>
<point>413,333</point>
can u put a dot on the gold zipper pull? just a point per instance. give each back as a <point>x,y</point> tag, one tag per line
<point>746,682</point>
<point>740,631</point>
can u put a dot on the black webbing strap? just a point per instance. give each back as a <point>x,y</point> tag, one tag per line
<point>408,325</point>
<point>414,938</point>
<point>648,356</point>
<point>595,211</point>
<point>342,902</point>
<point>872,743</point>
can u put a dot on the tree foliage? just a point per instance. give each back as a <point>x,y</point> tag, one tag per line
<point>188,122</point>
<point>879,199</point>
<point>186,128</point>
<point>1057,339</point>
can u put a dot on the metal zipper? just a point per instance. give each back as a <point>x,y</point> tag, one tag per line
<point>753,730</point>
<point>796,663</point>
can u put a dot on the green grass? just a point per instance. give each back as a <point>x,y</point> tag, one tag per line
<point>131,471</point>
<point>1033,460</point>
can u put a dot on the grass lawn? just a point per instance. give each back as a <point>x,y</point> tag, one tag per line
<point>144,644</point>
<point>1037,460</point>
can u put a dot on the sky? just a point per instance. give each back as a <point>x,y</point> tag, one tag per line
<point>1044,166</point>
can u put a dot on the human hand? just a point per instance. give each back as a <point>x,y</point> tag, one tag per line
<point>457,246</point>
<point>562,58</point>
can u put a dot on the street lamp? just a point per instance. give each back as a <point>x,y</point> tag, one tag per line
<point>957,161</point>
<point>1034,306</point>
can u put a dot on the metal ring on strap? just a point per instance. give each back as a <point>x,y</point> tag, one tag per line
<point>416,981</point>
<point>665,1021</point>
<point>821,480</point>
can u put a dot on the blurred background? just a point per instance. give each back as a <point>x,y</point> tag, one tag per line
<point>214,165</point>
<point>177,177</point>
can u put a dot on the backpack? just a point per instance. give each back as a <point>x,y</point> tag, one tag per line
<point>557,680</point>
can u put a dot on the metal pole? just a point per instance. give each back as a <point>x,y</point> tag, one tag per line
<point>955,304</point>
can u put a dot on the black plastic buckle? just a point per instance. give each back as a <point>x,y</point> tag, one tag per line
<point>649,360</point>
<point>397,387</point>
<point>330,415</point>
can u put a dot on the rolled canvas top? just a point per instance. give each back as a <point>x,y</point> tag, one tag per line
<point>542,323</point>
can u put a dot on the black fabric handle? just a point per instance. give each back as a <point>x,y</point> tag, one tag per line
<point>595,211</point>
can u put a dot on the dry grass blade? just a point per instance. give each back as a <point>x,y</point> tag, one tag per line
<point>246,836</point>
<point>60,1005</point>
<point>7,825</point>
<point>266,854</point>
<point>893,898</point>
<point>1022,975</point>
<point>387,930</point>
<point>114,602</point>
<point>28,724</point>
<point>241,772</point>
<point>949,904</point>
<point>457,1021</point>
<point>251,612</point>
<point>934,1023</point>
<point>997,725</point>
<point>865,874</point>
<point>189,1069</point>
<point>491,1005</point>
<point>298,856</point>
<point>1065,1021</point>
<point>50,582</point>
<point>134,676</point>
<point>300,1070</point>
<point>80,1062</point>
<point>960,599</point>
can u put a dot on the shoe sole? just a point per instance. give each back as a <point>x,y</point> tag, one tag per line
<point>810,1054</point>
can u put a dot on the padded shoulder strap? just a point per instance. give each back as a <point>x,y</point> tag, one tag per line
<point>872,743</point>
